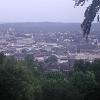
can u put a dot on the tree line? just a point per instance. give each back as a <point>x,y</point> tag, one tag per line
<point>23,80</point>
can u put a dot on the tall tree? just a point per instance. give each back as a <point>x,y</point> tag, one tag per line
<point>89,14</point>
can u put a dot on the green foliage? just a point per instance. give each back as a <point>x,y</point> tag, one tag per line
<point>84,82</point>
<point>19,80</point>
<point>2,56</point>
<point>29,60</point>
<point>81,65</point>
<point>95,67</point>
<point>54,75</point>
<point>59,90</point>
<point>80,69</point>
<point>84,66</point>
<point>89,14</point>
<point>51,59</point>
<point>14,81</point>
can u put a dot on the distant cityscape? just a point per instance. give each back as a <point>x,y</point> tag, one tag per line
<point>65,45</point>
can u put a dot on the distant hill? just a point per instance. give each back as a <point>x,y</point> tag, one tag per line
<point>45,27</point>
<point>41,27</point>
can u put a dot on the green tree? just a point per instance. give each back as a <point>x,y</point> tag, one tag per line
<point>59,90</point>
<point>51,59</point>
<point>82,65</point>
<point>2,57</point>
<point>89,14</point>
<point>84,82</point>
<point>16,82</point>
<point>95,67</point>
<point>31,63</point>
<point>29,60</point>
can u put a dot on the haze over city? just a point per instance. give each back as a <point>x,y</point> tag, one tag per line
<point>49,50</point>
<point>40,11</point>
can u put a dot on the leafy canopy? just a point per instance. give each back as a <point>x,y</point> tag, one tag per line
<point>90,14</point>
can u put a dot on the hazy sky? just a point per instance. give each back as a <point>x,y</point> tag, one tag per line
<point>40,10</point>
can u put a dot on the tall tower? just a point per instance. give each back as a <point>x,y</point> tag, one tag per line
<point>32,36</point>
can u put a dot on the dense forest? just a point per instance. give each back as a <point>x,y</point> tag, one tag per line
<point>24,80</point>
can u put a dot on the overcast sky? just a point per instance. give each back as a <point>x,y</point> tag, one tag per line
<point>40,11</point>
